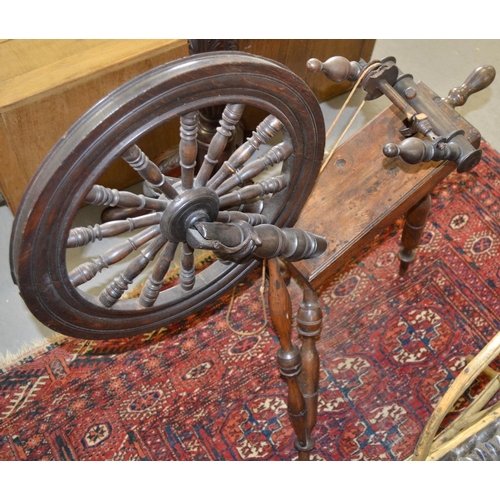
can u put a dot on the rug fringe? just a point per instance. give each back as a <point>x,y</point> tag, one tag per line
<point>33,348</point>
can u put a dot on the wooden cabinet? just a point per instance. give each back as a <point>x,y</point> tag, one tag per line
<point>46,85</point>
<point>295,54</point>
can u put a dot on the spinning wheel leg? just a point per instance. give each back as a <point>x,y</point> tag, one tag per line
<point>412,232</point>
<point>301,368</point>
<point>309,322</point>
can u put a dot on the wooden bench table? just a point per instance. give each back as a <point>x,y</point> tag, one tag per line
<point>360,192</point>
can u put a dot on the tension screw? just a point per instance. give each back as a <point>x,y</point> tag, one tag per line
<point>410,93</point>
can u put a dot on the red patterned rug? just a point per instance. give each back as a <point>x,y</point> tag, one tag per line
<point>390,348</point>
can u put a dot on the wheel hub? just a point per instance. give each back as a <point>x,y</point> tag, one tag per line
<point>195,205</point>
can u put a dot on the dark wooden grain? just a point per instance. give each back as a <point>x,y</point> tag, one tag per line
<point>188,148</point>
<point>262,134</point>
<point>231,115</point>
<point>309,324</point>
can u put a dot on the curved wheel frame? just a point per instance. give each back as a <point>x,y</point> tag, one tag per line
<point>463,381</point>
<point>103,134</point>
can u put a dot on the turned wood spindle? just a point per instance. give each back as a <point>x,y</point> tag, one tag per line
<point>309,323</point>
<point>154,284</point>
<point>275,155</point>
<point>114,290</point>
<point>416,219</point>
<point>264,132</point>
<point>149,171</point>
<point>86,271</point>
<point>478,80</point>
<point>100,195</point>
<point>230,117</point>
<point>188,148</point>
<point>187,273</point>
<point>209,116</point>
<point>289,358</point>
<point>81,236</point>
<point>268,186</point>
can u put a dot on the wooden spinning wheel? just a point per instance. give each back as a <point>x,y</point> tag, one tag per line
<point>238,206</point>
<point>229,210</point>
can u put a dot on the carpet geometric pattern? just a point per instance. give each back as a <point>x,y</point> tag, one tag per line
<point>389,349</point>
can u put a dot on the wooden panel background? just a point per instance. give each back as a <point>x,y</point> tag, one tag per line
<point>46,85</point>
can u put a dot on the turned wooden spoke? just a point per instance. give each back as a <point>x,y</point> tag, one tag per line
<point>187,273</point>
<point>154,284</point>
<point>86,271</point>
<point>113,292</point>
<point>247,193</point>
<point>275,155</point>
<point>266,130</point>
<point>100,195</point>
<point>188,148</point>
<point>233,215</point>
<point>81,236</point>
<point>150,172</point>
<point>110,214</point>
<point>230,117</point>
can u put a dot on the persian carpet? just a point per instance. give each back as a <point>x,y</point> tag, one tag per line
<point>390,348</point>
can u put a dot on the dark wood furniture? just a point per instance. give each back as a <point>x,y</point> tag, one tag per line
<point>220,217</point>
<point>364,186</point>
<point>230,200</point>
<point>361,191</point>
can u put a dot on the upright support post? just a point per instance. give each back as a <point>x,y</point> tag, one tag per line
<point>289,358</point>
<point>309,323</point>
<point>416,219</point>
<point>300,367</point>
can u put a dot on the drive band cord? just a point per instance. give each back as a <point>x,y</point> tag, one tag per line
<point>262,288</point>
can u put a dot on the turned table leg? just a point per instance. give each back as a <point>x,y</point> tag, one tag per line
<point>309,322</point>
<point>300,367</point>
<point>412,232</point>
<point>289,358</point>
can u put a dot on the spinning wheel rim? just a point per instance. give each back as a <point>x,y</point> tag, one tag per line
<point>108,129</point>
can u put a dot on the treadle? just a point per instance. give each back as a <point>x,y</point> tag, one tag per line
<point>361,191</point>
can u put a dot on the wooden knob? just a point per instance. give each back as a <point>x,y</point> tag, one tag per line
<point>414,150</point>
<point>337,68</point>
<point>411,150</point>
<point>478,80</point>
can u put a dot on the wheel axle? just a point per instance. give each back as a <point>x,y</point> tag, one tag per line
<point>192,206</point>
